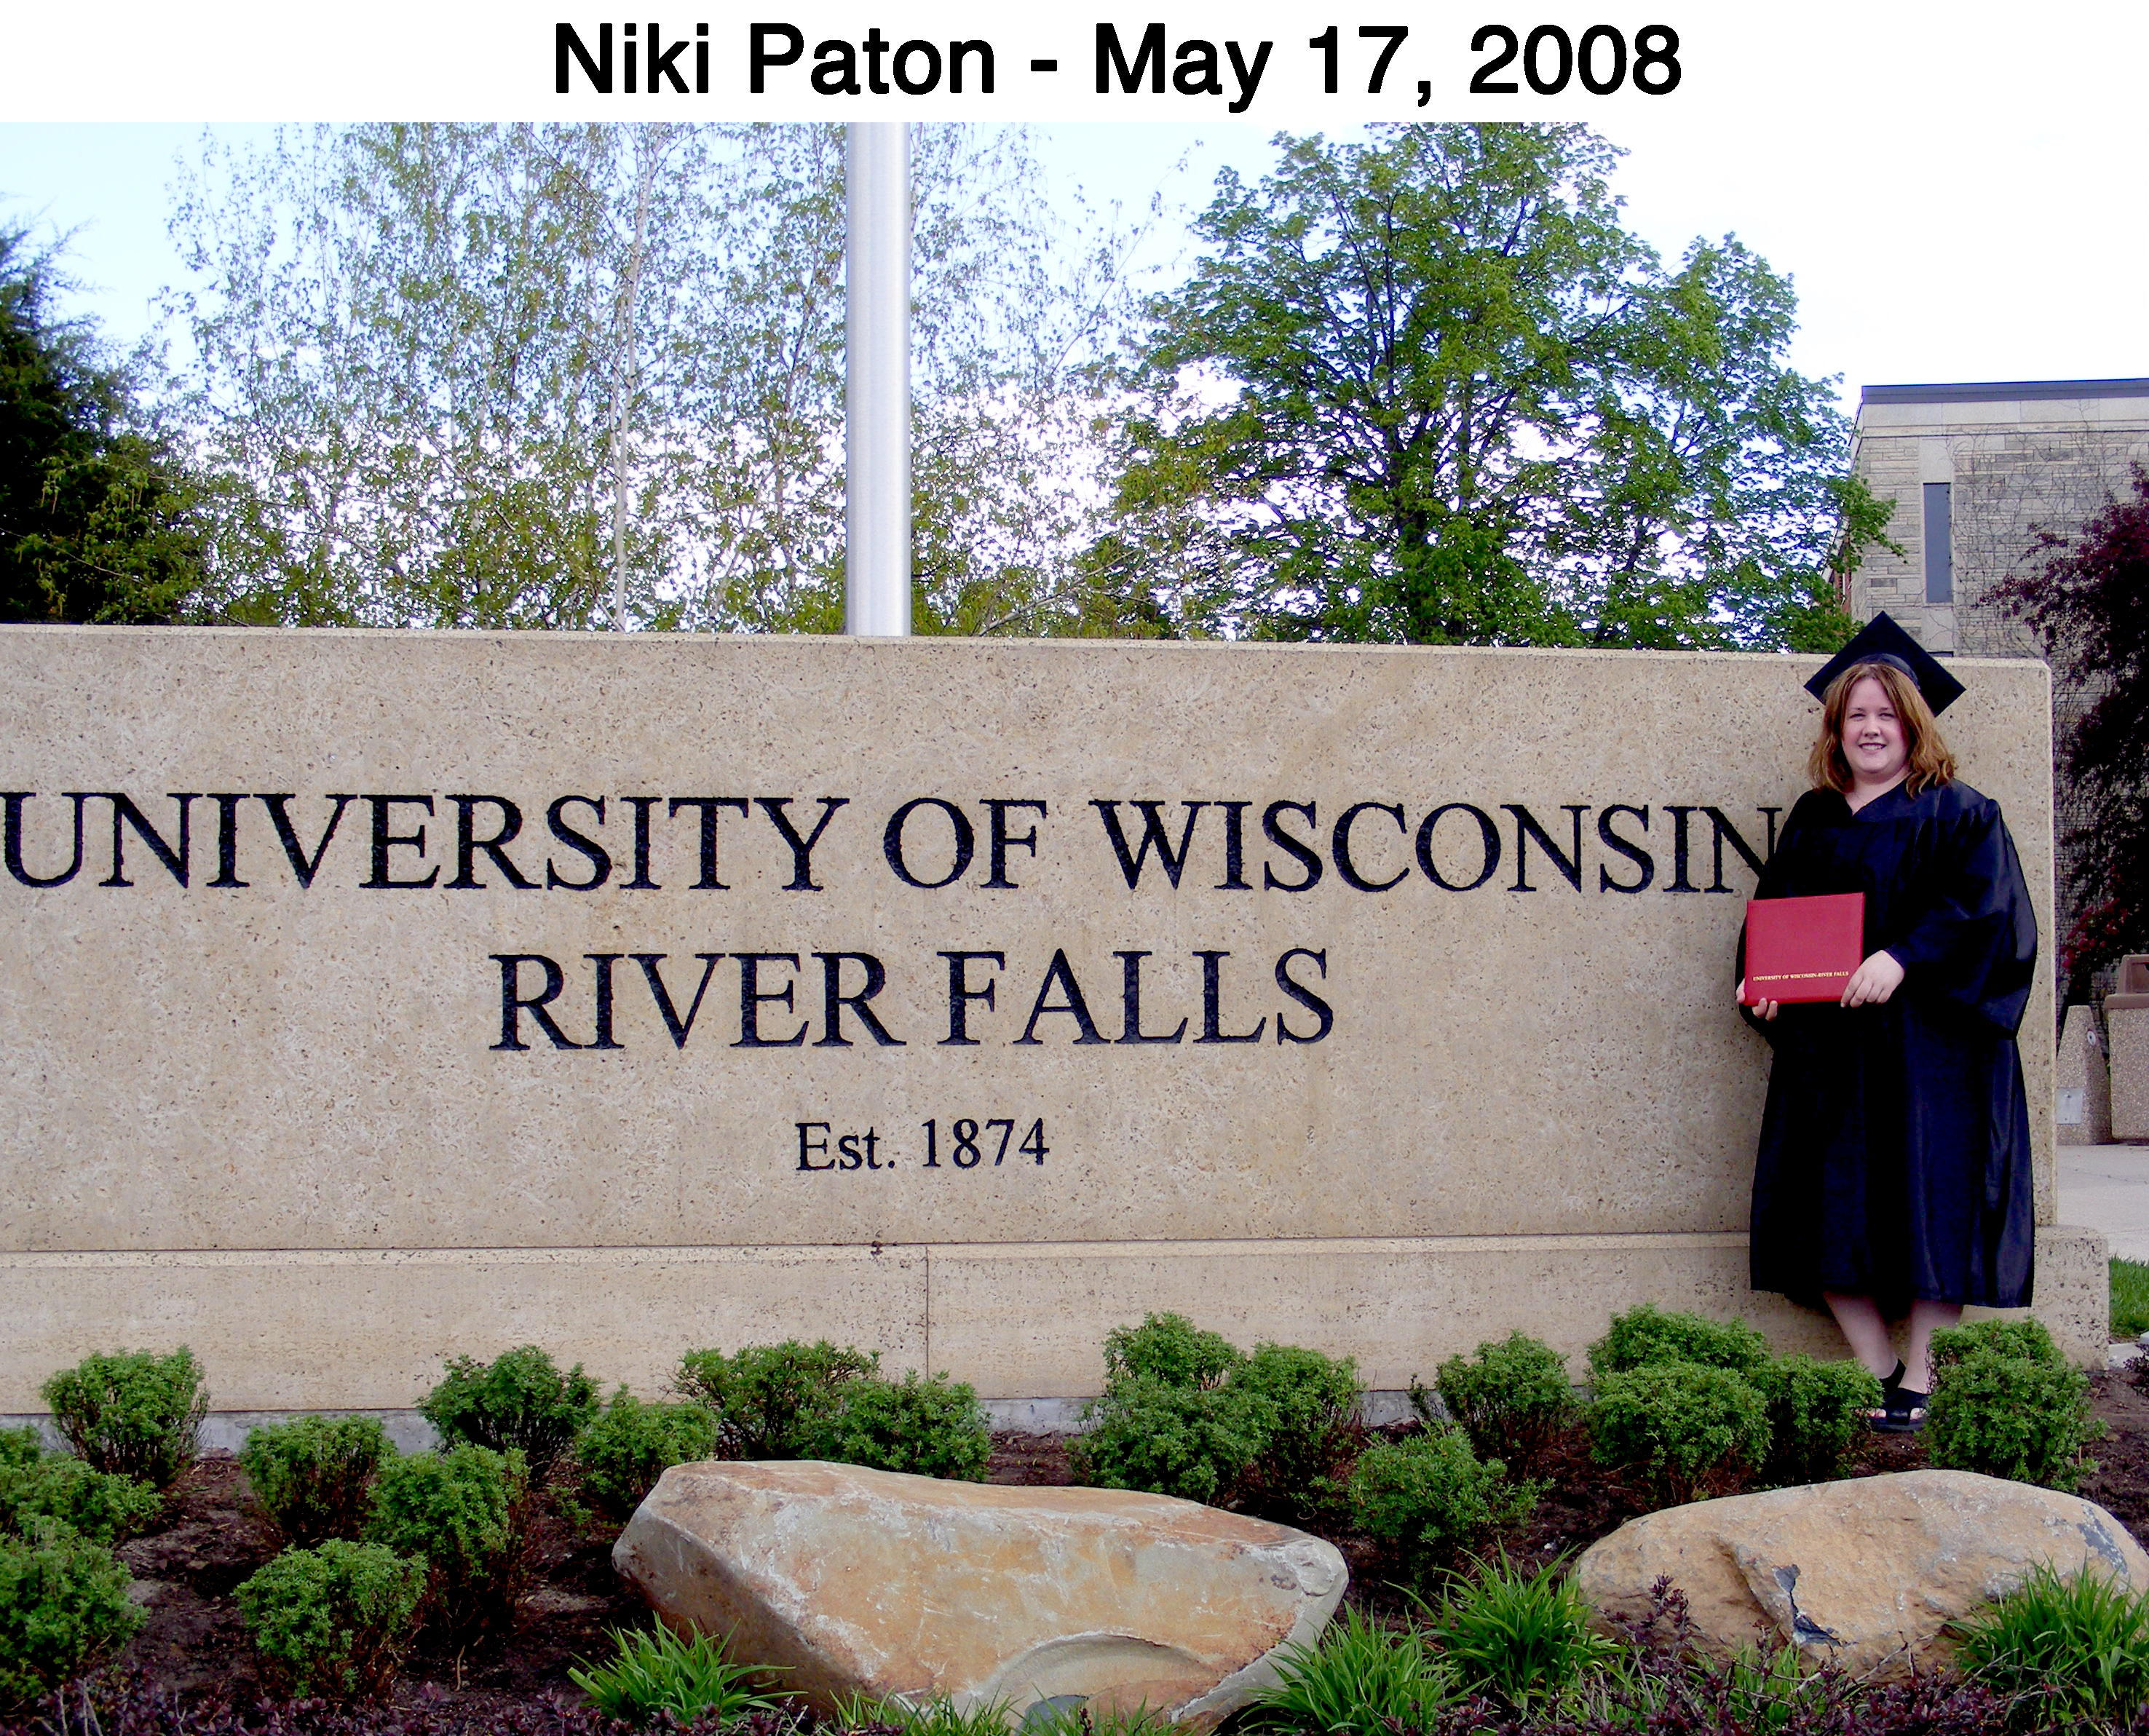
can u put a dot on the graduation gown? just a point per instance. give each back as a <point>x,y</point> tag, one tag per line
<point>1895,1154</point>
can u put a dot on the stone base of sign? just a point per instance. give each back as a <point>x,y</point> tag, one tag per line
<point>2126,1018</point>
<point>311,1330</point>
<point>2081,1078</point>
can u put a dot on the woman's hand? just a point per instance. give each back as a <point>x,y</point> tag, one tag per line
<point>1760,1009</point>
<point>1873,982</point>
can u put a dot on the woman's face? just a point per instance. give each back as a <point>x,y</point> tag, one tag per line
<point>1875,745</point>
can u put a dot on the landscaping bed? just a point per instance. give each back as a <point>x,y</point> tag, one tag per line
<point>210,1538</point>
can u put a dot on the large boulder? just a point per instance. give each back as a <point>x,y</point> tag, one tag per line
<point>853,1581</point>
<point>1867,1570</point>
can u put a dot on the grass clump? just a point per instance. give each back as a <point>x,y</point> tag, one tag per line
<point>1817,1414</point>
<point>333,1621</point>
<point>131,1413</point>
<point>464,1511</point>
<point>1428,1498</point>
<point>63,1605</point>
<point>1685,1429</point>
<point>1519,1635</point>
<point>2007,1404</point>
<point>930,1427</point>
<point>1360,1680</point>
<point>622,1451</point>
<point>1511,1397</point>
<point>655,1673</point>
<point>2071,1653</point>
<point>2130,1298</point>
<point>518,1401</point>
<point>314,1476</point>
<point>1646,1335</point>
<point>765,1398</point>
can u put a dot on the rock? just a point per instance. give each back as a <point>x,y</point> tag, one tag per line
<point>869,1582</point>
<point>1867,1570</point>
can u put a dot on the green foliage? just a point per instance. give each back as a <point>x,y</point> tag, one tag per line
<point>98,512</point>
<point>1172,1349</point>
<point>312,1476</point>
<point>622,1451</point>
<point>2075,1650</point>
<point>2005,1403</point>
<point>463,1510</point>
<point>63,1605</point>
<point>1298,1473</point>
<point>1360,1680</point>
<point>518,1400</point>
<point>1428,1497</point>
<point>935,1716</point>
<point>2130,1298</point>
<point>1817,1413</point>
<point>332,1621</point>
<point>1196,1443</point>
<point>1512,1397</point>
<point>1685,1429</point>
<point>1428,388</point>
<point>657,1671</point>
<point>1521,1635</point>
<point>135,1414</point>
<point>1646,1334</point>
<point>97,1505</point>
<point>20,1447</point>
<point>930,1427</point>
<point>765,1397</point>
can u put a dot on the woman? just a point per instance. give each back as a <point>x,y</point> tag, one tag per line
<point>1894,1174</point>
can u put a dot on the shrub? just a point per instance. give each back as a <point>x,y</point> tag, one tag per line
<point>1686,1429</point>
<point>2008,1414</point>
<point>931,1427</point>
<point>463,1510</point>
<point>64,1603</point>
<point>1297,1475</point>
<point>1168,1348</point>
<point>1196,1443</point>
<point>332,1622</point>
<point>1648,1334</point>
<point>2027,1339</point>
<point>1520,1635</point>
<point>657,1671</point>
<point>20,1447</point>
<point>2075,1650</point>
<point>1817,1413</point>
<point>1428,1497</point>
<point>1511,1398</point>
<point>97,1505</point>
<point>131,1414</point>
<point>314,1475</point>
<point>519,1399</point>
<point>765,1396</point>
<point>1360,1680</point>
<point>623,1450</point>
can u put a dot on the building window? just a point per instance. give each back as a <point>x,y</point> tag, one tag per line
<point>1940,544</point>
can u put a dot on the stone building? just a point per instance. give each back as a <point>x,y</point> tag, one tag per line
<point>1975,470</point>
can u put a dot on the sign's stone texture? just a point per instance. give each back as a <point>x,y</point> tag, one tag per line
<point>852,1582</point>
<point>368,998</point>
<point>1867,1572</point>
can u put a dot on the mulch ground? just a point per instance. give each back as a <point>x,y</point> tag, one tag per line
<point>210,1539</point>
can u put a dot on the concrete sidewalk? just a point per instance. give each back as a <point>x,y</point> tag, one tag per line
<point>2106,1188</point>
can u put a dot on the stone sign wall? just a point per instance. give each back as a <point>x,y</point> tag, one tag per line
<point>367,997</point>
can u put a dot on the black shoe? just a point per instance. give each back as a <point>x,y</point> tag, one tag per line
<point>1902,1408</point>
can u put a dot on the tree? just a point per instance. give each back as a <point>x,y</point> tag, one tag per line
<point>2089,601</point>
<point>1429,389</point>
<point>476,375</point>
<point>96,517</point>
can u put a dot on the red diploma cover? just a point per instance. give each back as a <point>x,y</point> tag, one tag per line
<point>1803,950</point>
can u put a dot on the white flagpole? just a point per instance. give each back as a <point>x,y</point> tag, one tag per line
<point>877,378</point>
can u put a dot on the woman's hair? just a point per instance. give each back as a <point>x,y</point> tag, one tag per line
<point>1930,763</point>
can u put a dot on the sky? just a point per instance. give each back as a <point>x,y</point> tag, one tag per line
<point>1976,212</point>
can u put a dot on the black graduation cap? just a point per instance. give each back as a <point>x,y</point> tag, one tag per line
<point>1881,641</point>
